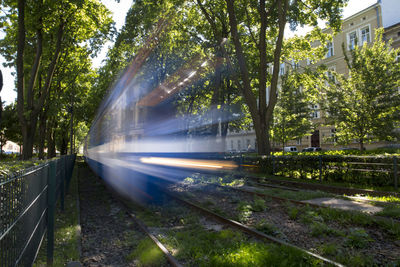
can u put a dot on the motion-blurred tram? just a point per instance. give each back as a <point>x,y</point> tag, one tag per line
<point>140,134</point>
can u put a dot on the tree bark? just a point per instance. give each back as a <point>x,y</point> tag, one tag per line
<point>42,132</point>
<point>261,115</point>
<point>28,115</point>
<point>51,142</point>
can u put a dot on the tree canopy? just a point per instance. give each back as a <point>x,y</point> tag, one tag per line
<point>365,106</point>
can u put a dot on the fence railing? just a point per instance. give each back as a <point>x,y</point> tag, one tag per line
<point>364,170</point>
<point>27,206</point>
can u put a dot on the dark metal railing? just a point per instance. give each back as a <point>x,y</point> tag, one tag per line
<point>27,206</point>
<point>368,170</point>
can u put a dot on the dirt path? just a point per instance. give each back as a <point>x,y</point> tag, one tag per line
<point>108,234</point>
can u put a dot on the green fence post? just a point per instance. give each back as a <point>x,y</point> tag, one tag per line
<point>320,167</point>
<point>395,172</point>
<point>62,183</point>
<point>51,203</point>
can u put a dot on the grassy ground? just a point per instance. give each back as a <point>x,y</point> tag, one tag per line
<point>9,166</point>
<point>66,230</point>
<point>340,184</point>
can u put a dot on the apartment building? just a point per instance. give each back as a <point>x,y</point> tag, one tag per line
<point>356,30</point>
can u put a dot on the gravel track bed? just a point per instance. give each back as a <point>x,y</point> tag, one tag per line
<point>383,249</point>
<point>107,230</point>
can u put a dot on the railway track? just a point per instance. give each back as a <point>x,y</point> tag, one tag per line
<point>251,231</point>
<point>225,221</point>
<point>371,225</point>
<point>298,202</point>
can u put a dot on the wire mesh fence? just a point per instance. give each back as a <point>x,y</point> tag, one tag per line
<point>27,203</point>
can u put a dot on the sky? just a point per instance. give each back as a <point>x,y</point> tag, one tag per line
<point>119,11</point>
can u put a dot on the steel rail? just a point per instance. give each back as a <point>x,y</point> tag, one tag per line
<point>249,230</point>
<point>143,227</point>
<point>174,262</point>
<point>299,202</point>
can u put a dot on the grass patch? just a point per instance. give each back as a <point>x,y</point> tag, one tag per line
<point>321,229</point>
<point>269,229</point>
<point>231,248</point>
<point>311,181</point>
<point>65,231</point>
<point>343,217</point>
<point>389,199</point>
<point>245,210</point>
<point>15,167</point>
<point>329,249</point>
<point>147,254</point>
<point>390,211</point>
<point>358,238</point>
<point>259,204</point>
<point>295,195</point>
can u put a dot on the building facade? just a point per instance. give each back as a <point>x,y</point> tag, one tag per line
<point>356,30</point>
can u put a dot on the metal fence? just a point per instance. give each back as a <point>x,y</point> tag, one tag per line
<point>27,206</point>
<point>367,170</point>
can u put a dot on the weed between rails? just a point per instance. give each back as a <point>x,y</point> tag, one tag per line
<point>194,245</point>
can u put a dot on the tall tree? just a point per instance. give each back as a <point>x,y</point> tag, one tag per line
<point>41,30</point>
<point>365,106</point>
<point>292,115</point>
<point>257,32</point>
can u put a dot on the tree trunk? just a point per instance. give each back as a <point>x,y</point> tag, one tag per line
<point>51,142</point>
<point>28,137</point>
<point>261,115</point>
<point>42,133</point>
<point>361,143</point>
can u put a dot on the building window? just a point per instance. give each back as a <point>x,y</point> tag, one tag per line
<point>315,115</point>
<point>329,74</point>
<point>295,65</point>
<point>298,141</point>
<point>232,144</point>
<point>282,69</point>
<point>365,36</point>
<point>352,40</point>
<point>239,145</point>
<point>247,143</point>
<point>329,46</point>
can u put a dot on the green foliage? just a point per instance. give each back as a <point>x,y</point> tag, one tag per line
<point>292,114</point>
<point>188,180</point>
<point>357,170</point>
<point>392,211</point>
<point>245,210</point>
<point>321,229</point>
<point>147,253</point>
<point>365,106</point>
<point>358,238</point>
<point>9,127</point>
<point>269,229</point>
<point>309,216</point>
<point>329,249</point>
<point>296,195</point>
<point>293,212</point>
<point>259,204</point>
<point>9,168</point>
<point>231,248</point>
